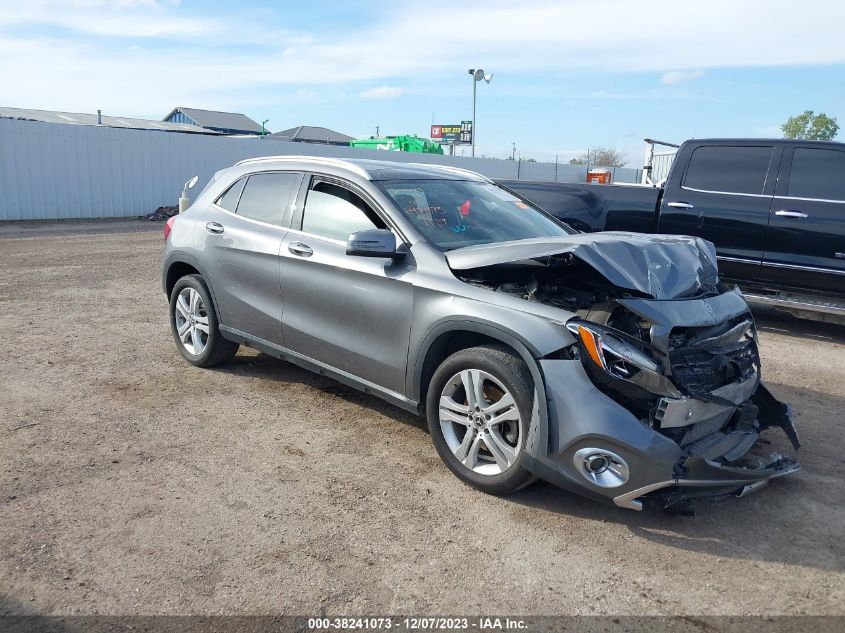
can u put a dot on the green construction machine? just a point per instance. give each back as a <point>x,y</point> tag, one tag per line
<point>402,143</point>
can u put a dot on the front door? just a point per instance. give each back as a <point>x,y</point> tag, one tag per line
<point>805,244</point>
<point>350,313</point>
<point>724,196</point>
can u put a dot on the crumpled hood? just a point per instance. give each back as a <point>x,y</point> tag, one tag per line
<point>660,266</point>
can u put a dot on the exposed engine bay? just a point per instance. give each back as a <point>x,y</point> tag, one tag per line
<point>562,281</point>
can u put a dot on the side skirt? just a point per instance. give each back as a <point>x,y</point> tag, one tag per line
<point>350,380</point>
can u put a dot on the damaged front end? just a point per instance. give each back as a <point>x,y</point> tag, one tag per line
<point>658,334</point>
<point>697,385</point>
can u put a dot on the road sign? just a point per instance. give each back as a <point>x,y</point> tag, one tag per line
<point>453,134</point>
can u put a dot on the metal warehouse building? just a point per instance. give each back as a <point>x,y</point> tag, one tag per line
<point>222,122</point>
<point>78,118</point>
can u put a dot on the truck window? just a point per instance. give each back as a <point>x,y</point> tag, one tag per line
<point>817,173</point>
<point>729,169</point>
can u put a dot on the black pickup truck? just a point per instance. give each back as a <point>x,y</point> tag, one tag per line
<point>775,209</point>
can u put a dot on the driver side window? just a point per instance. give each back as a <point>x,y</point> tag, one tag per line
<point>333,212</point>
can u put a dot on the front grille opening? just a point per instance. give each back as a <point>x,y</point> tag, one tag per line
<point>703,359</point>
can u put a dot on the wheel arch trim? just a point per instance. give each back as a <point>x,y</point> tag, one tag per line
<point>190,260</point>
<point>537,441</point>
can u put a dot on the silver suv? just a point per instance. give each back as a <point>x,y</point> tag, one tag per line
<point>612,364</point>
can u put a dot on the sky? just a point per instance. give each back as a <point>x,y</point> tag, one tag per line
<point>567,74</point>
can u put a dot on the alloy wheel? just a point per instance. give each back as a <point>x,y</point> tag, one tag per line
<point>480,422</point>
<point>191,321</point>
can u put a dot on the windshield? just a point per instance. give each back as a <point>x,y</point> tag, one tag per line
<point>455,213</point>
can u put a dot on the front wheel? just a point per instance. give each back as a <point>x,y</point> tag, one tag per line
<point>479,410</point>
<point>194,324</point>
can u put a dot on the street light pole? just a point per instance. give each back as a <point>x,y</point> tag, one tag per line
<point>474,88</point>
<point>477,75</point>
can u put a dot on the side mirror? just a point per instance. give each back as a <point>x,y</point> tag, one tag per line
<point>373,243</point>
<point>192,182</point>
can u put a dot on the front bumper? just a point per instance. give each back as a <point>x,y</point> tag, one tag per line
<point>705,478</point>
<point>659,470</point>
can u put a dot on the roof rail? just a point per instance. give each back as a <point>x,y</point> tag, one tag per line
<point>455,170</point>
<point>333,162</point>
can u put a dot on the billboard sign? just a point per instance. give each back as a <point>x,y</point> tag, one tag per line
<point>453,134</point>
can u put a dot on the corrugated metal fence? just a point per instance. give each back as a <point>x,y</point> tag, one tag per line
<point>55,171</point>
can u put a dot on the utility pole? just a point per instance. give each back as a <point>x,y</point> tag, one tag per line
<point>513,151</point>
<point>377,131</point>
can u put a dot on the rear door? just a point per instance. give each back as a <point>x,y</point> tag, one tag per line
<point>724,195</point>
<point>242,243</point>
<point>350,313</point>
<point>805,243</point>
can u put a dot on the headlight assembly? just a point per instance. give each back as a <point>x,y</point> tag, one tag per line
<point>610,351</point>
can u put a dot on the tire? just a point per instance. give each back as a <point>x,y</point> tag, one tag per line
<point>200,348</point>
<point>492,469</point>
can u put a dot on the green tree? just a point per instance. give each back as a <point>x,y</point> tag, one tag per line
<point>810,126</point>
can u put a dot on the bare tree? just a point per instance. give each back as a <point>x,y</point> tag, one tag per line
<point>602,157</point>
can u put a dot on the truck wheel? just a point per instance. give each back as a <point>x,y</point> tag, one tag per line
<point>479,410</point>
<point>194,324</point>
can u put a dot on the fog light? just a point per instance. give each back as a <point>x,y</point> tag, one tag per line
<point>596,463</point>
<point>600,467</point>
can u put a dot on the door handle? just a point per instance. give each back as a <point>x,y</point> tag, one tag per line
<point>214,227</point>
<point>298,248</point>
<point>791,214</point>
<point>680,205</point>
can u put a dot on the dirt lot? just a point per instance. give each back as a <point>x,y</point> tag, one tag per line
<point>133,483</point>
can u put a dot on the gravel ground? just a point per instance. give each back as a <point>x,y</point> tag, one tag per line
<point>132,483</point>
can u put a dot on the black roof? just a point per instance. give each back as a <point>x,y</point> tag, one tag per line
<point>738,141</point>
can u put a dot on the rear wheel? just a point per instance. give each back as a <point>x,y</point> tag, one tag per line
<point>194,324</point>
<point>479,411</point>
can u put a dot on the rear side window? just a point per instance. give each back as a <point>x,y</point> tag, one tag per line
<point>265,196</point>
<point>335,212</point>
<point>229,200</point>
<point>817,173</point>
<point>728,169</point>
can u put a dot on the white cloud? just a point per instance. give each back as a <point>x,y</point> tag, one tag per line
<point>382,92</point>
<point>219,56</point>
<point>111,18</point>
<point>679,76</point>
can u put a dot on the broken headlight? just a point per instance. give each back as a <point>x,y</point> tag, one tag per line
<point>621,364</point>
<point>610,350</point>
